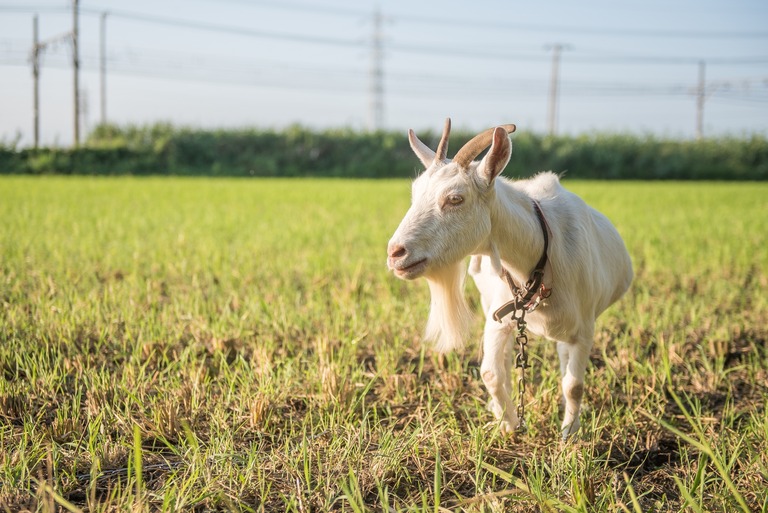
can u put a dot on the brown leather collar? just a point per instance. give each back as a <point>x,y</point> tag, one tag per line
<point>524,297</point>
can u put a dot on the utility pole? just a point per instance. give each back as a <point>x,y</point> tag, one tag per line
<point>103,66</point>
<point>376,99</point>
<point>701,96</point>
<point>557,48</point>
<point>36,80</point>
<point>76,66</point>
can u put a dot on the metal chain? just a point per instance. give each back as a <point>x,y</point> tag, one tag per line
<point>521,362</point>
<point>522,303</point>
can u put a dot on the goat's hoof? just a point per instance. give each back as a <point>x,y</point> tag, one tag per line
<point>508,428</point>
<point>494,407</point>
<point>568,430</point>
<point>505,427</point>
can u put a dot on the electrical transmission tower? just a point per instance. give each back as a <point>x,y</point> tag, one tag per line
<point>76,67</point>
<point>103,66</point>
<point>38,49</point>
<point>376,87</point>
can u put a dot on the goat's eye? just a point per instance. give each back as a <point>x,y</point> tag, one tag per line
<point>454,200</point>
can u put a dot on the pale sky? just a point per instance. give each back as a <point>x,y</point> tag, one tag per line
<point>627,66</point>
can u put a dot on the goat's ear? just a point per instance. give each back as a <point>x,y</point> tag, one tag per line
<point>497,157</point>
<point>426,156</point>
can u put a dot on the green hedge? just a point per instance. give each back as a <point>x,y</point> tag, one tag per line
<point>297,151</point>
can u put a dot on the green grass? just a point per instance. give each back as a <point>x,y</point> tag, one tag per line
<point>199,344</point>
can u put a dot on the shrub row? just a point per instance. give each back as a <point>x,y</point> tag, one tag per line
<point>297,151</point>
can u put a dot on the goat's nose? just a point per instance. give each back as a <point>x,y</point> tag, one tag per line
<point>396,250</point>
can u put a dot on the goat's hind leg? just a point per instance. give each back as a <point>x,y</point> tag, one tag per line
<point>574,357</point>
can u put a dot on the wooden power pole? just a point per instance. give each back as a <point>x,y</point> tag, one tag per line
<point>553,86</point>
<point>701,96</point>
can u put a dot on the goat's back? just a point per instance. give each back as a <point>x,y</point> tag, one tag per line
<point>589,258</point>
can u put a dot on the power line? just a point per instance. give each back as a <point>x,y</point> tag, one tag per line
<point>519,27</point>
<point>174,61</point>
<point>34,8</point>
<point>411,48</point>
<point>173,65</point>
<point>214,62</point>
<point>565,29</point>
<point>304,7</point>
<point>233,29</point>
<point>198,25</point>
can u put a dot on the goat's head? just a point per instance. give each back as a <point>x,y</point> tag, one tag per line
<point>450,214</point>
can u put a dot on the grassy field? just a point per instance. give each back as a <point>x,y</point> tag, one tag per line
<point>199,344</point>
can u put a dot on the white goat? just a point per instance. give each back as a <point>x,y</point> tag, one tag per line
<point>462,208</point>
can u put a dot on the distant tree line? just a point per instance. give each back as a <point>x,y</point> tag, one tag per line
<point>163,149</point>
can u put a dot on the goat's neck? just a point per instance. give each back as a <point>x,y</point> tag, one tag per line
<point>516,237</point>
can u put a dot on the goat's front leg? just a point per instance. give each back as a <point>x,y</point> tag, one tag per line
<point>495,371</point>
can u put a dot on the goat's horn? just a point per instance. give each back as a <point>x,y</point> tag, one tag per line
<point>476,145</point>
<point>442,148</point>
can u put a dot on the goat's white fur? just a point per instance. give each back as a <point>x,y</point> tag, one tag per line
<point>589,267</point>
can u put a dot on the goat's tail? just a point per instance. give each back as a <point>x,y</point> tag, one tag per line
<point>449,315</point>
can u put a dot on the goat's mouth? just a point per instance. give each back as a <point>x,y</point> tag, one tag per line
<point>410,271</point>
